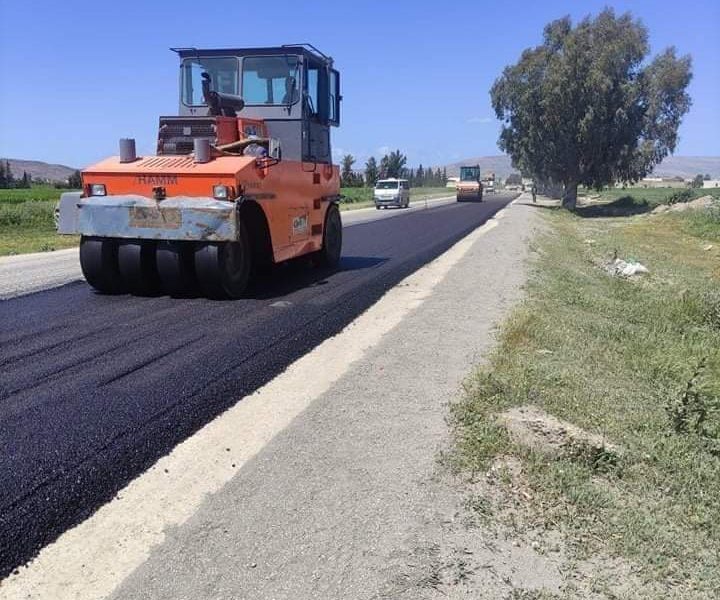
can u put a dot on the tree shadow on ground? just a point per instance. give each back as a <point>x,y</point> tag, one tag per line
<point>626,206</point>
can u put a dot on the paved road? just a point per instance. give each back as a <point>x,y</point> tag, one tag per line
<point>31,273</point>
<point>94,389</point>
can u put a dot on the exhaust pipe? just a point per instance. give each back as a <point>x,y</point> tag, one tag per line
<point>127,150</point>
<point>201,147</point>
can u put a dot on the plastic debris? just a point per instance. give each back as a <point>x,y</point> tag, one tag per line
<point>626,268</point>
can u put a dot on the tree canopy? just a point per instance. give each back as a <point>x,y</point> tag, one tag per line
<point>585,107</point>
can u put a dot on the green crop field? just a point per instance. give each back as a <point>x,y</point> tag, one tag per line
<point>27,223</point>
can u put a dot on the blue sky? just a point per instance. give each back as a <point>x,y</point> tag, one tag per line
<point>78,75</point>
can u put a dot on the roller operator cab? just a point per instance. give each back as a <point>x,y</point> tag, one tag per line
<point>242,178</point>
<point>469,186</point>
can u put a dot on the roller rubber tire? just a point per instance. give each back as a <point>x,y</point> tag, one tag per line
<point>329,254</point>
<point>99,264</point>
<point>175,268</point>
<point>223,268</point>
<point>138,268</point>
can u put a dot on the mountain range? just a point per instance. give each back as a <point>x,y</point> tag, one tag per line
<point>39,171</point>
<point>673,166</point>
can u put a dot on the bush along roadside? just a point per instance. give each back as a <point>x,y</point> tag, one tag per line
<point>633,365</point>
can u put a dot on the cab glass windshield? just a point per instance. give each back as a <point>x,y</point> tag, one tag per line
<point>223,73</point>
<point>272,80</point>
<point>469,173</point>
<point>386,185</point>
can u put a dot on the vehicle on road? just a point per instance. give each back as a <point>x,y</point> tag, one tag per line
<point>488,182</point>
<point>242,178</point>
<point>392,192</point>
<point>469,187</point>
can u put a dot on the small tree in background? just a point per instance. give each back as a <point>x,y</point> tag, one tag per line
<point>9,179</point>
<point>697,182</point>
<point>585,108</point>
<point>346,169</point>
<point>75,181</point>
<point>384,166</point>
<point>371,172</point>
<point>395,164</point>
<point>420,176</point>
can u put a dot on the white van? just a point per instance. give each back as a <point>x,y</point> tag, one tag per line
<point>392,192</point>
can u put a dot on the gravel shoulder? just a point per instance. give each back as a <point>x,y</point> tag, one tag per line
<point>350,500</point>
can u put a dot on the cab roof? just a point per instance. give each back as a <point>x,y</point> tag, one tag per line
<point>307,50</point>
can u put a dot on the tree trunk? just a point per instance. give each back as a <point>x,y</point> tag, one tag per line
<point>569,199</point>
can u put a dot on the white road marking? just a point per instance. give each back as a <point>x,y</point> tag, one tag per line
<point>93,558</point>
<point>28,273</point>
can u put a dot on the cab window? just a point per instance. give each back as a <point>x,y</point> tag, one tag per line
<point>270,80</point>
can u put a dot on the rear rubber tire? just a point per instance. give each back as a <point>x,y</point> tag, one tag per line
<point>223,268</point>
<point>99,264</point>
<point>138,268</point>
<point>175,267</point>
<point>329,254</point>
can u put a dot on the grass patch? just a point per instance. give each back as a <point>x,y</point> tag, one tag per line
<point>28,225</point>
<point>636,361</point>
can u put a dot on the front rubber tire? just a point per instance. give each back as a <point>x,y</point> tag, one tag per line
<point>223,268</point>
<point>99,264</point>
<point>175,268</point>
<point>329,254</point>
<point>138,268</point>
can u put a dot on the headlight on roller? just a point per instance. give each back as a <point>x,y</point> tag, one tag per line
<point>221,192</point>
<point>97,189</point>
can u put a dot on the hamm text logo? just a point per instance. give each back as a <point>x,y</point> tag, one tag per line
<point>157,179</point>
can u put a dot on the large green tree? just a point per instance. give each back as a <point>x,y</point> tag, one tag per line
<point>586,107</point>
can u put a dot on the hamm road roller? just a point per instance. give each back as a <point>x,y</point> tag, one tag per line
<point>242,178</point>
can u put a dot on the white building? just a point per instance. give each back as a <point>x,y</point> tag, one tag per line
<point>711,183</point>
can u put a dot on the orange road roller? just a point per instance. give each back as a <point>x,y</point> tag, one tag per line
<point>242,178</point>
<point>469,187</point>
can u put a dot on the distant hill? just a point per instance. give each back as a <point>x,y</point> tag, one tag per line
<point>500,165</point>
<point>689,166</point>
<point>39,171</point>
<point>683,166</point>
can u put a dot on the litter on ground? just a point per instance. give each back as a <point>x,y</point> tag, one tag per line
<point>626,268</point>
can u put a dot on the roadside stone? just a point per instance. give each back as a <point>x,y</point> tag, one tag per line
<point>532,427</point>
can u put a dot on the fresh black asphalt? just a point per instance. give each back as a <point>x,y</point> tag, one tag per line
<point>94,389</point>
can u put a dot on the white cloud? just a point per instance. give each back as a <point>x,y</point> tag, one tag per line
<point>480,120</point>
<point>383,150</point>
